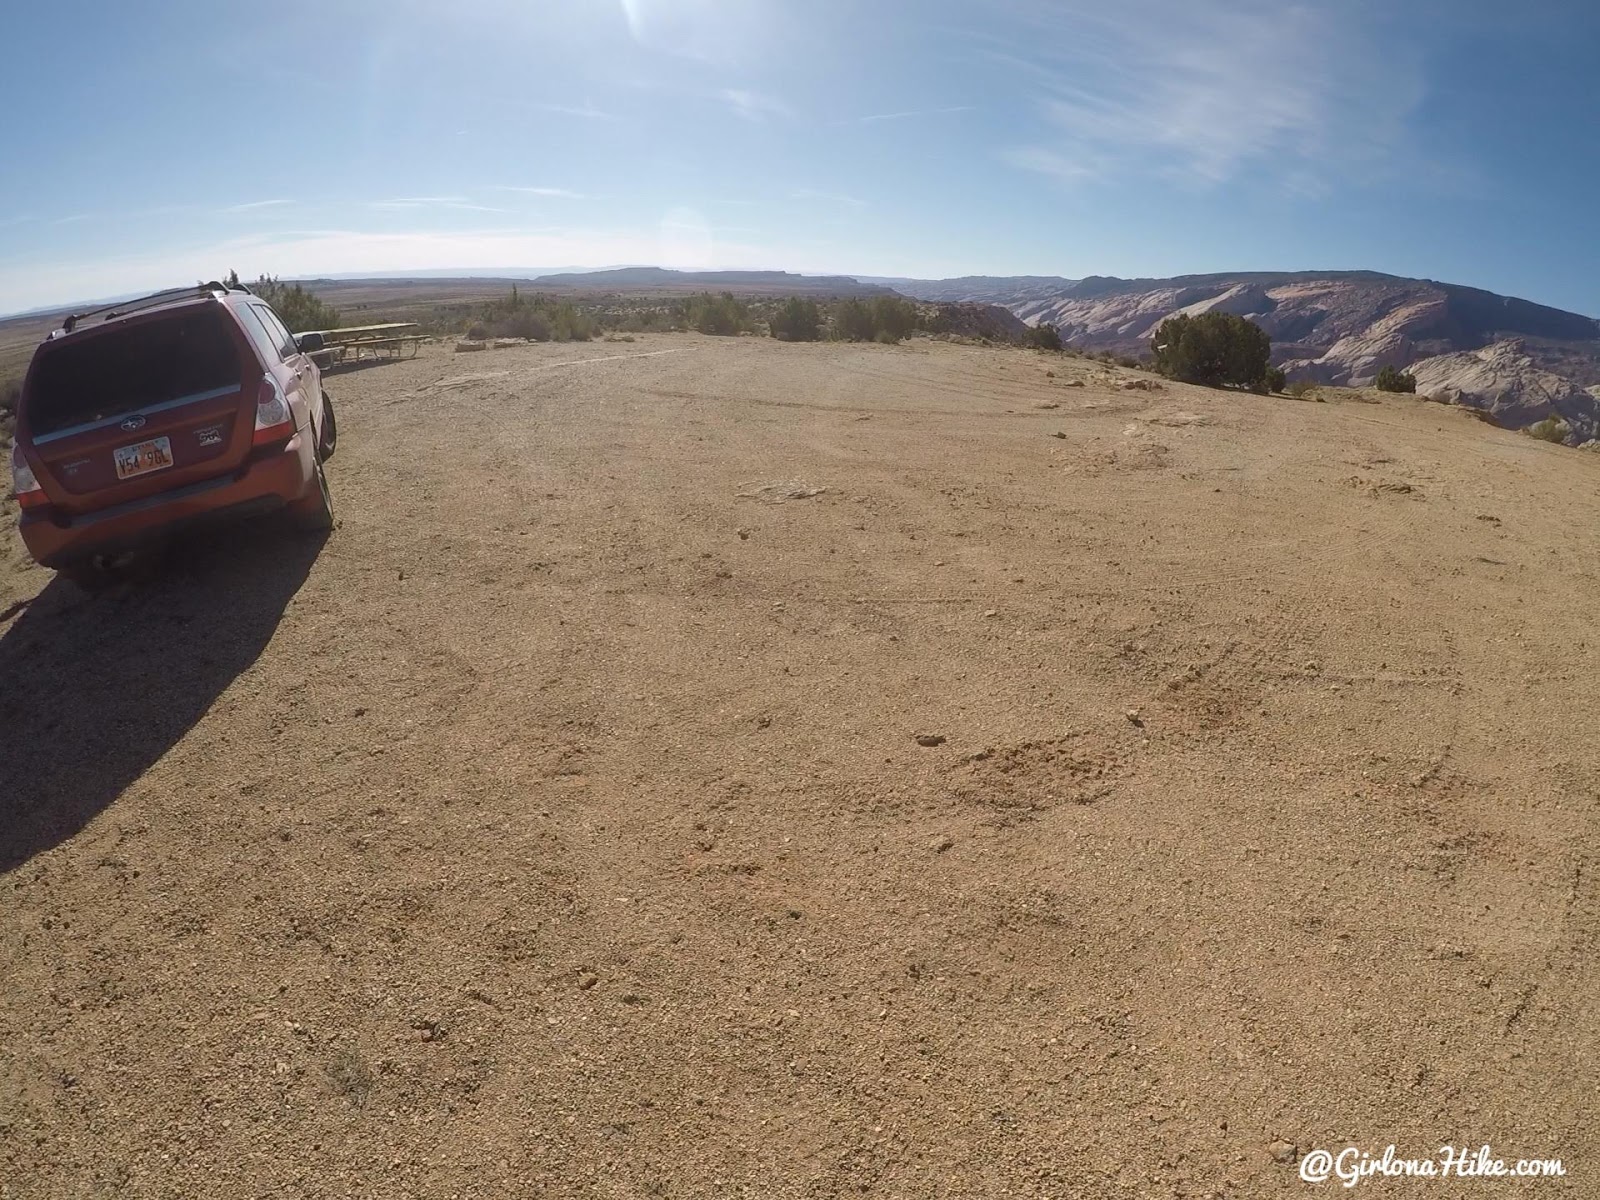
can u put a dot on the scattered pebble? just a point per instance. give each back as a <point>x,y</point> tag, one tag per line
<point>587,979</point>
<point>943,844</point>
<point>930,739</point>
<point>1282,1151</point>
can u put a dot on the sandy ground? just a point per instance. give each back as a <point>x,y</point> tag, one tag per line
<point>559,827</point>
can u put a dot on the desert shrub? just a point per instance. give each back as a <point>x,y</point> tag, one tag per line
<point>1276,379</point>
<point>526,324</point>
<point>886,319</point>
<point>298,308</point>
<point>1300,388</point>
<point>799,320</point>
<point>570,324</point>
<point>893,318</point>
<point>643,320</point>
<point>10,392</point>
<point>852,322</point>
<point>1390,380</point>
<point>1044,337</point>
<point>1127,360</point>
<point>1213,349</point>
<point>478,331</point>
<point>1551,429</point>
<point>722,315</point>
<point>536,318</point>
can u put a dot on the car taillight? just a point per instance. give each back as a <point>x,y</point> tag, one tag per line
<point>25,483</point>
<point>274,421</point>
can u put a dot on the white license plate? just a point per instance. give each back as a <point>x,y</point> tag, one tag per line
<point>154,455</point>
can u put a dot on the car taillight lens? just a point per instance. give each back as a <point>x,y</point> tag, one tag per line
<point>274,421</point>
<point>24,482</point>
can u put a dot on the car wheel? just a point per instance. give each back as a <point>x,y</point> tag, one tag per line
<point>314,514</point>
<point>330,430</point>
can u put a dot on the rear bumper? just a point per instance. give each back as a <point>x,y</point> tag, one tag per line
<point>57,539</point>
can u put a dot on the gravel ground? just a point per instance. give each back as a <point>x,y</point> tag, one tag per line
<point>709,768</point>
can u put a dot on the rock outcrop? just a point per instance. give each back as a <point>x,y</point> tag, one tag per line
<point>1517,360</point>
<point>1504,381</point>
<point>986,321</point>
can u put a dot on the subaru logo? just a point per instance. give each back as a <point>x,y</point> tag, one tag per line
<point>133,422</point>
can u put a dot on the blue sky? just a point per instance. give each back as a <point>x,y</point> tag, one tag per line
<point>155,143</point>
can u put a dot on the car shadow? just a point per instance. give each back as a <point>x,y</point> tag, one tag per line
<point>94,690</point>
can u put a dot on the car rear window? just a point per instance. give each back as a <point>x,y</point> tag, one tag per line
<point>104,373</point>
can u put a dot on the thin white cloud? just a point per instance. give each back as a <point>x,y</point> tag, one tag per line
<point>1200,93</point>
<point>72,220</point>
<point>827,197</point>
<point>455,203</point>
<point>255,204</point>
<point>587,112</point>
<point>553,193</point>
<point>907,115</point>
<point>754,106</point>
<point>713,32</point>
<point>1067,168</point>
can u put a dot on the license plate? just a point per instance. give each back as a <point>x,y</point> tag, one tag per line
<point>154,455</point>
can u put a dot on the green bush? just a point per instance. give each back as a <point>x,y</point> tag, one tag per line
<point>1044,337</point>
<point>296,307</point>
<point>536,318</point>
<point>570,324</point>
<point>1300,388</point>
<point>852,322</point>
<point>1214,350</point>
<point>886,319</point>
<point>1276,379</point>
<point>893,318</point>
<point>1551,429</point>
<point>722,315</point>
<point>10,393</point>
<point>529,324</point>
<point>1390,380</point>
<point>799,320</point>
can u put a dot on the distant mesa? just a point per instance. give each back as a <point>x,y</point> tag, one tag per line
<point>661,278</point>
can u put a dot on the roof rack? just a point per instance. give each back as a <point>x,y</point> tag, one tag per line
<point>122,307</point>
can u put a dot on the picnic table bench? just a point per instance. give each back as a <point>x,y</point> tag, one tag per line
<point>391,339</point>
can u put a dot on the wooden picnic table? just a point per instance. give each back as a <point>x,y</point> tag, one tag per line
<point>349,343</point>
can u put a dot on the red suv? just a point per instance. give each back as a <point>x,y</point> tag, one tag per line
<point>149,415</point>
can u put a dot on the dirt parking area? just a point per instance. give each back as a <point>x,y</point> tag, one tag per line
<point>705,768</point>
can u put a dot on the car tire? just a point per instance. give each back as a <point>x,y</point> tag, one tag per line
<point>314,513</point>
<point>329,440</point>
